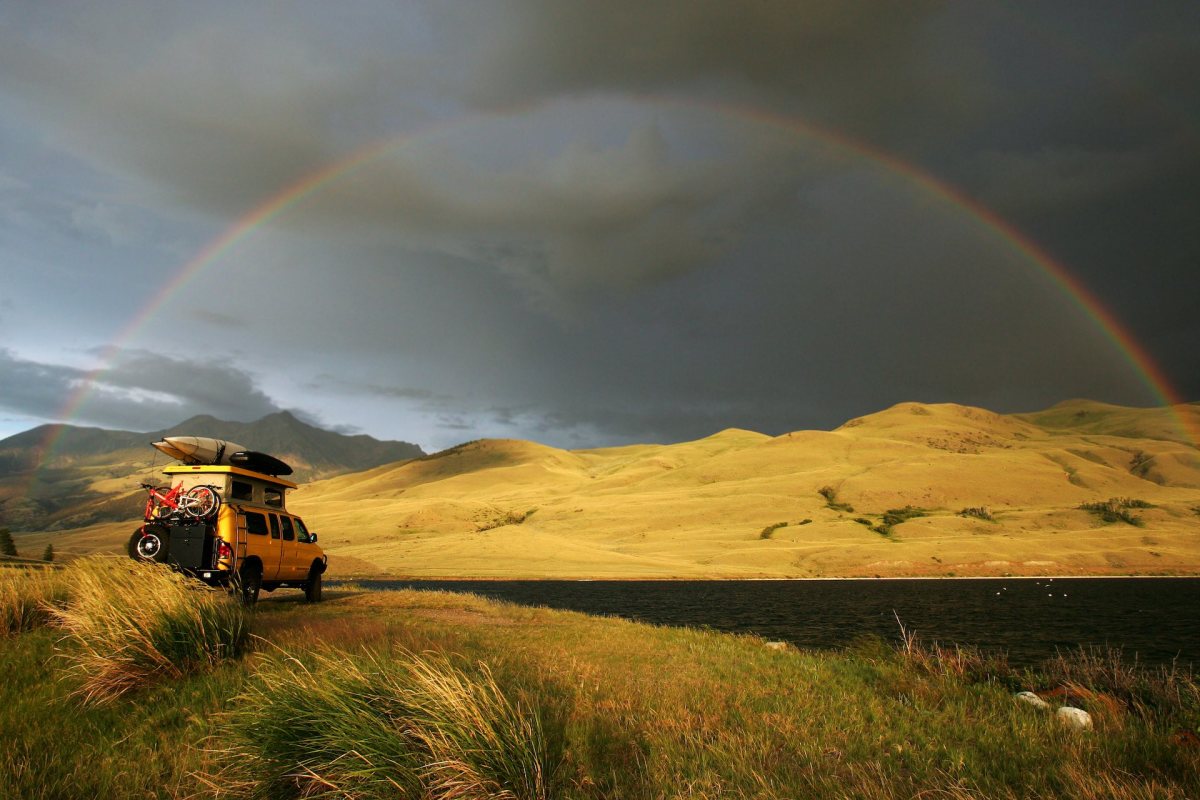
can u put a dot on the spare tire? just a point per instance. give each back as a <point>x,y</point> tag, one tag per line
<point>149,543</point>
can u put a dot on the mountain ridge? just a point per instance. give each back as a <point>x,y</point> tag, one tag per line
<point>60,475</point>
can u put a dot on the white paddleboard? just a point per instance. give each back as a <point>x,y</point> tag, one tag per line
<point>198,449</point>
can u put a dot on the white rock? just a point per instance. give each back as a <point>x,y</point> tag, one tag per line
<point>1077,718</point>
<point>1032,699</point>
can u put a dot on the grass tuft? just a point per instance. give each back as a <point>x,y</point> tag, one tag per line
<point>964,663</point>
<point>1088,673</point>
<point>27,597</point>
<point>375,726</point>
<point>134,623</point>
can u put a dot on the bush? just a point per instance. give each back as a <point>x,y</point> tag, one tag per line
<point>831,501</point>
<point>133,623</point>
<point>1116,510</point>
<point>894,516</point>
<point>769,531</point>
<point>7,546</point>
<point>979,512</point>
<point>27,597</point>
<point>507,518</point>
<point>396,725</point>
<point>1141,463</point>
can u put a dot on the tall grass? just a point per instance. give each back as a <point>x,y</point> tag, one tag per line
<point>134,623</point>
<point>377,725</point>
<point>27,597</point>
<point>1086,673</point>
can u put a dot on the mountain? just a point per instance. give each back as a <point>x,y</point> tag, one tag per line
<point>65,476</point>
<point>916,489</point>
<point>312,452</point>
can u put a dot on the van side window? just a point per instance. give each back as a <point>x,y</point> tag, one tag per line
<point>274,527</point>
<point>240,490</point>
<point>256,523</point>
<point>273,497</point>
<point>301,531</point>
<point>289,535</point>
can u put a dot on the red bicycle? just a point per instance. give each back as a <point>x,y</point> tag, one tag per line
<point>199,502</point>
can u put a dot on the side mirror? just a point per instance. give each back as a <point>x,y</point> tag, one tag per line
<point>312,538</point>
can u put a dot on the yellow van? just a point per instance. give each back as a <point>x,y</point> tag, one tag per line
<point>252,543</point>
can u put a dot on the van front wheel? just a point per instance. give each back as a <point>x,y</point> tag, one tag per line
<point>312,587</point>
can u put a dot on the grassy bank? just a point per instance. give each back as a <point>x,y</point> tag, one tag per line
<point>430,694</point>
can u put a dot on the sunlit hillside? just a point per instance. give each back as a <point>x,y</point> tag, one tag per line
<point>970,493</point>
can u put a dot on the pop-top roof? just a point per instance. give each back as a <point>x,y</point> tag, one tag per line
<point>223,469</point>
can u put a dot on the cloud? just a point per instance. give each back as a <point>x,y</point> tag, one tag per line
<point>217,319</point>
<point>140,391</point>
<point>606,221</point>
<point>227,112</point>
<point>33,388</point>
<point>862,64</point>
<point>106,220</point>
<point>328,382</point>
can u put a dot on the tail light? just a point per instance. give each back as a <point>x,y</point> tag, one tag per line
<point>224,550</point>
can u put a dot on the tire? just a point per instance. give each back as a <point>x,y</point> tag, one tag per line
<point>149,543</point>
<point>202,502</point>
<point>312,587</point>
<point>248,584</point>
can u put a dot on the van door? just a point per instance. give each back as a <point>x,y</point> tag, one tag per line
<point>271,567</point>
<point>290,566</point>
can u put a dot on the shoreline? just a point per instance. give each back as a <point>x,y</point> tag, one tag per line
<point>492,579</point>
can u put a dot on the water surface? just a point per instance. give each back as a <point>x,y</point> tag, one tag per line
<point>1155,620</point>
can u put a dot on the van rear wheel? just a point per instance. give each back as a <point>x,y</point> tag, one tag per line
<point>248,583</point>
<point>312,587</point>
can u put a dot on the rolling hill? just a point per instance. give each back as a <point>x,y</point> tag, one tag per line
<point>916,489</point>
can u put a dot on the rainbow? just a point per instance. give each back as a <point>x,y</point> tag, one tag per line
<point>306,186</point>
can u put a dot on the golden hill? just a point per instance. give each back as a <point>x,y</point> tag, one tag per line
<point>714,507</point>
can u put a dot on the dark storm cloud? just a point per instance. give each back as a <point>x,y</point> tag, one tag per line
<point>32,388</point>
<point>576,217</point>
<point>580,260</point>
<point>330,382</point>
<point>142,391</point>
<point>861,62</point>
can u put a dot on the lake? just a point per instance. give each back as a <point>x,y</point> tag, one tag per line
<point>1155,619</point>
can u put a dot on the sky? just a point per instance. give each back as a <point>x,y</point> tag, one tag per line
<point>593,223</point>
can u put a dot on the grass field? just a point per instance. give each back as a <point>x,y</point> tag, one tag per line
<point>443,695</point>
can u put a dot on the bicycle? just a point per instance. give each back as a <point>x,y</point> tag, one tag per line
<point>199,502</point>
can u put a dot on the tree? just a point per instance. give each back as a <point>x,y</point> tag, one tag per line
<point>7,546</point>
<point>49,554</point>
